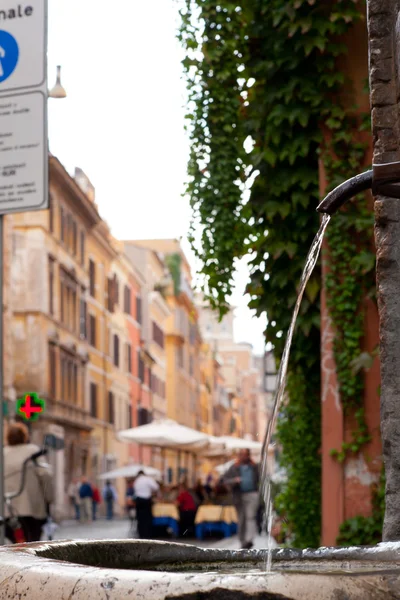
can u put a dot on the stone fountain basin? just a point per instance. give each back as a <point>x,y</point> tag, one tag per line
<point>144,570</point>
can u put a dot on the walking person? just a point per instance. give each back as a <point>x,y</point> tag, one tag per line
<point>243,478</point>
<point>144,488</point>
<point>38,492</point>
<point>86,496</point>
<point>95,501</point>
<point>109,496</point>
<point>129,496</point>
<point>187,511</point>
<point>74,499</point>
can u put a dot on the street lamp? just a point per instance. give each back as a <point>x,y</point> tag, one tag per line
<point>58,91</point>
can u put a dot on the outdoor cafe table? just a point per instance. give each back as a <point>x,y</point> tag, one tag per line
<point>212,518</point>
<point>166,515</point>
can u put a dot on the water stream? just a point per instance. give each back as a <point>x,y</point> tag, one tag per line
<point>311,261</point>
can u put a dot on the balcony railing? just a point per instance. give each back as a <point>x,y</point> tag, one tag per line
<point>69,413</point>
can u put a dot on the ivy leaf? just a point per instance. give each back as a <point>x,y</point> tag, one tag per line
<point>313,288</point>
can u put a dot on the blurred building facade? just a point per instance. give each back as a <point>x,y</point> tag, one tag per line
<point>179,337</point>
<point>110,334</point>
<point>240,402</point>
<point>49,291</point>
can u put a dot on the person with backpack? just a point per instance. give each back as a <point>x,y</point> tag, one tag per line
<point>31,505</point>
<point>109,497</point>
<point>86,496</point>
<point>243,478</point>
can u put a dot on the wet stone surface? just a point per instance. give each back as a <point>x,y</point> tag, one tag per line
<point>167,571</point>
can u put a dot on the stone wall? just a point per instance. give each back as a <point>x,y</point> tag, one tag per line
<point>384,48</point>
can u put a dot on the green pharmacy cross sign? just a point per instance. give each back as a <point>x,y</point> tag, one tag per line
<point>30,406</point>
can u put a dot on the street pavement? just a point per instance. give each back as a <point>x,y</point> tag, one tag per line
<point>119,529</point>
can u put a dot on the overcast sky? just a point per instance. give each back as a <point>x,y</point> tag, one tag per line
<point>123,119</point>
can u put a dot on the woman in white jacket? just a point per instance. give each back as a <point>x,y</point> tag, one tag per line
<point>31,505</point>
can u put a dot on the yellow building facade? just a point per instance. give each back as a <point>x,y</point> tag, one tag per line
<point>182,345</point>
<point>49,289</point>
<point>152,402</point>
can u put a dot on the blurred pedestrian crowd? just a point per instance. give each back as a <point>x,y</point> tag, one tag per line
<point>85,498</point>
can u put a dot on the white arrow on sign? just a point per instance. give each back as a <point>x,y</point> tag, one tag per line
<point>2,55</point>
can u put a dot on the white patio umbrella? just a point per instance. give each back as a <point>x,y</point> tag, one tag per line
<point>131,471</point>
<point>226,446</point>
<point>232,444</point>
<point>166,433</point>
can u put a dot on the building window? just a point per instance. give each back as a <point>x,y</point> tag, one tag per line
<point>139,310</point>
<point>74,238</point>
<point>129,358</point>
<point>191,365</point>
<point>93,400</point>
<point>130,420</point>
<point>62,224</point>
<point>92,330</point>
<point>92,278</point>
<point>180,356</point>
<point>64,376</point>
<point>75,382</point>
<point>116,290</point>
<point>51,286</point>
<point>82,247</point>
<point>111,414</point>
<point>158,335</point>
<point>116,350</point>
<point>70,234</point>
<point>73,310</point>
<point>144,416</point>
<point>69,378</point>
<point>51,213</point>
<point>152,382</point>
<point>140,367</point>
<point>52,372</point>
<point>68,300</point>
<point>83,319</point>
<point>127,300</point>
<point>111,294</point>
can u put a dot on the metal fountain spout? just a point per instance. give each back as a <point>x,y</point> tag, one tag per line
<point>382,179</point>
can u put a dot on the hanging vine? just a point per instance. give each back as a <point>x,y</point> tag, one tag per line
<point>263,76</point>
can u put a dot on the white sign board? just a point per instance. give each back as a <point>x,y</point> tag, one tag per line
<point>23,106</point>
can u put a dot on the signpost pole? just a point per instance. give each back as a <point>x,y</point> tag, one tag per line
<point>2,527</point>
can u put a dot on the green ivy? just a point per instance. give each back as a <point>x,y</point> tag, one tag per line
<point>265,72</point>
<point>173,262</point>
<point>350,278</point>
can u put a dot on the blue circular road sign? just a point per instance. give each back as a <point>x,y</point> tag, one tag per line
<point>9,54</point>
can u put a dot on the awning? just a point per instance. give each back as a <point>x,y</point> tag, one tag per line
<point>166,433</point>
<point>131,471</point>
<point>233,443</point>
<point>227,445</point>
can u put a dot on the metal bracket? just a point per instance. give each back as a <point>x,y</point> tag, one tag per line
<point>386,179</point>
